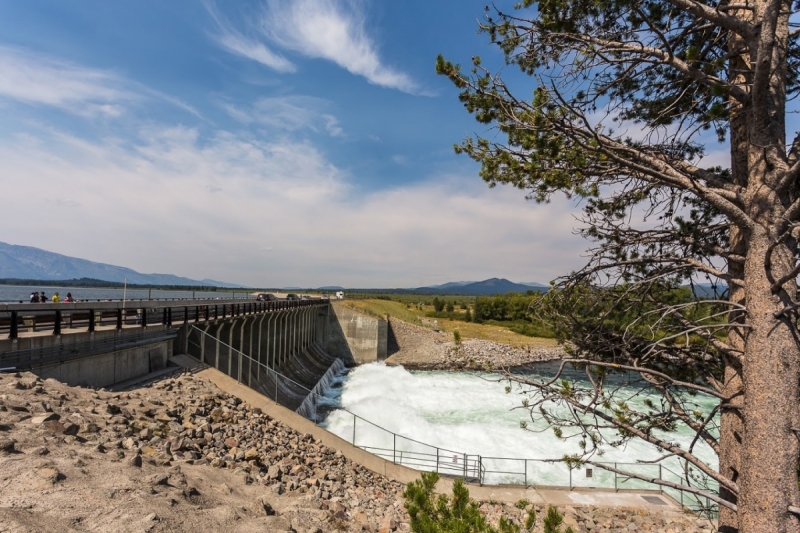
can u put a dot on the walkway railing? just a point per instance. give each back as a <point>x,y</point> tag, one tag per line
<point>405,451</point>
<point>277,377</point>
<point>59,318</point>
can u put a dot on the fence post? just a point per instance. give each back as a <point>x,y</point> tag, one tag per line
<point>464,458</point>
<point>354,429</point>
<point>119,319</point>
<point>276,387</point>
<point>437,460</point>
<point>570,478</point>
<point>57,323</point>
<point>615,477</point>
<point>91,319</point>
<point>526,474</point>
<point>394,448</point>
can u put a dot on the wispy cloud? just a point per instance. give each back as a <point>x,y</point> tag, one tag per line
<point>255,50</point>
<point>38,79</point>
<point>289,113</point>
<point>332,30</point>
<point>235,42</point>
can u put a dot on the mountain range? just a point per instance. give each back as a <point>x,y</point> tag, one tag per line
<point>483,288</point>
<point>26,262</point>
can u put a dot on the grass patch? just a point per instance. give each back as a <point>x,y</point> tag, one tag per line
<point>381,308</point>
<point>495,332</point>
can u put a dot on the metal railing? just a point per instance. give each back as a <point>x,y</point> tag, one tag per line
<point>58,318</point>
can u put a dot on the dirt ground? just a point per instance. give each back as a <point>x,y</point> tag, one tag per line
<point>422,348</point>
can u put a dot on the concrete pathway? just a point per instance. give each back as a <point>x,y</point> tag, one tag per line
<point>578,497</point>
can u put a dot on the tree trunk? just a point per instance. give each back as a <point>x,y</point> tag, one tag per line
<point>731,424</point>
<point>770,448</point>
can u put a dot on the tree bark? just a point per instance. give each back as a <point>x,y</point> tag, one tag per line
<point>731,423</point>
<point>770,448</point>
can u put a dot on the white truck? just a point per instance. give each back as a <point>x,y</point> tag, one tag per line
<point>340,295</point>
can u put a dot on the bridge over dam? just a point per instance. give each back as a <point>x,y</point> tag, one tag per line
<point>281,348</point>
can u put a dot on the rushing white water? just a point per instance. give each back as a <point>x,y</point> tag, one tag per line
<point>462,413</point>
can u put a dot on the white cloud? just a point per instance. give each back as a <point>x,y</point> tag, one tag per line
<point>255,50</point>
<point>37,79</point>
<point>40,80</point>
<point>289,113</point>
<point>205,207</point>
<point>236,43</point>
<point>332,30</point>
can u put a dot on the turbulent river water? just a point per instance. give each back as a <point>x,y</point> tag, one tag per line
<point>425,419</point>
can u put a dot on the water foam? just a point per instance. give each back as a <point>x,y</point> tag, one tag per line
<point>473,414</point>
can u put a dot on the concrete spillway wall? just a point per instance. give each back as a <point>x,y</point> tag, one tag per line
<point>278,354</point>
<point>354,337</point>
<point>97,359</point>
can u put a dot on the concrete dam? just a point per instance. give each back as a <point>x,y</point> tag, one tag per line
<point>285,350</point>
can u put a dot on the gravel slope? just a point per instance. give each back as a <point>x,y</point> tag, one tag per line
<point>422,348</point>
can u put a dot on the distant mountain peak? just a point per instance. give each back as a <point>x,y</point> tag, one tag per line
<point>27,262</point>
<point>482,288</point>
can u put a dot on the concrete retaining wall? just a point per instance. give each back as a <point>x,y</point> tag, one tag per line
<point>354,337</point>
<point>110,368</point>
<point>101,370</point>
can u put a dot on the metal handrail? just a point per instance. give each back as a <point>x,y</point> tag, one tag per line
<point>59,316</point>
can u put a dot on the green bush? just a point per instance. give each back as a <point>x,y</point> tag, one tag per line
<point>457,337</point>
<point>460,514</point>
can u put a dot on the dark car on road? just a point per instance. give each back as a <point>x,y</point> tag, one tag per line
<point>292,296</point>
<point>266,297</point>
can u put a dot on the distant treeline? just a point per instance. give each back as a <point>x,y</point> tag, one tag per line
<point>511,310</point>
<point>102,284</point>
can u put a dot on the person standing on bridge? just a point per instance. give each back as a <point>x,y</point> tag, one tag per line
<point>35,297</point>
<point>43,297</point>
<point>69,299</point>
<point>56,299</point>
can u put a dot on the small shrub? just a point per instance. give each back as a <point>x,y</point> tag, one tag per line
<point>457,337</point>
<point>457,514</point>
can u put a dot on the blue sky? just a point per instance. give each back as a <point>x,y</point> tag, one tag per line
<point>269,143</point>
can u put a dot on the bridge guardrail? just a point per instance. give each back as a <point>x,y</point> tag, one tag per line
<point>60,317</point>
